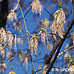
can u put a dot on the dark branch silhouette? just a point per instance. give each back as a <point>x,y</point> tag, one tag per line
<point>3,13</point>
<point>57,45</point>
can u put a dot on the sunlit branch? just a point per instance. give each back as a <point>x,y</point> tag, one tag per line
<point>26,34</point>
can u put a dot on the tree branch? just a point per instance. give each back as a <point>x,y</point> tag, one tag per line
<point>66,33</point>
<point>56,45</point>
<point>3,13</point>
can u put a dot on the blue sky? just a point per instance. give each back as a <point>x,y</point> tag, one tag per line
<point>31,25</point>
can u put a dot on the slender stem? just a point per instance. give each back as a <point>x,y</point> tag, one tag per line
<point>27,35</point>
<point>22,36</point>
<point>24,24</point>
<point>26,13</point>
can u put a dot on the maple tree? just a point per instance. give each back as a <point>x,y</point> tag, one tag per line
<point>51,35</point>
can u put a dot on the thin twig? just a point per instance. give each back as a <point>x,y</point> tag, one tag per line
<point>27,35</point>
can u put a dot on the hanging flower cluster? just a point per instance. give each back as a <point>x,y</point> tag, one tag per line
<point>34,40</point>
<point>26,59</point>
<point>44,23</point>
<point>36,6</point>
<point>59,22</point>
<point>2,41</point>
<point>9,39</point>
<point>12,16</point>
<point>44,35</point>
<point>6,39</point>
<point>59,17</point>
<point>53,29</point>
<point>34,44</point>
<point>2,36</point>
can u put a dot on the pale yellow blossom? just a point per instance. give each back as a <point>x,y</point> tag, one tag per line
<point>36,6</point>
<point>12,15</point>
<point>33,45</point>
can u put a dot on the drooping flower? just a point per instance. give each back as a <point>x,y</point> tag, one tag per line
<point>59,22</point>
<point>2,36</point>
<point>12,15</point>
<point>31,45</point>
<point>26,58</point>
<point>59,17</point>
<point>53,29</point>
<point>34,45</point>
<point>44,35</point>
<point>8,55</point>
<point>46,23</point>
<point>9,39</point>
<point>36,6</point>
